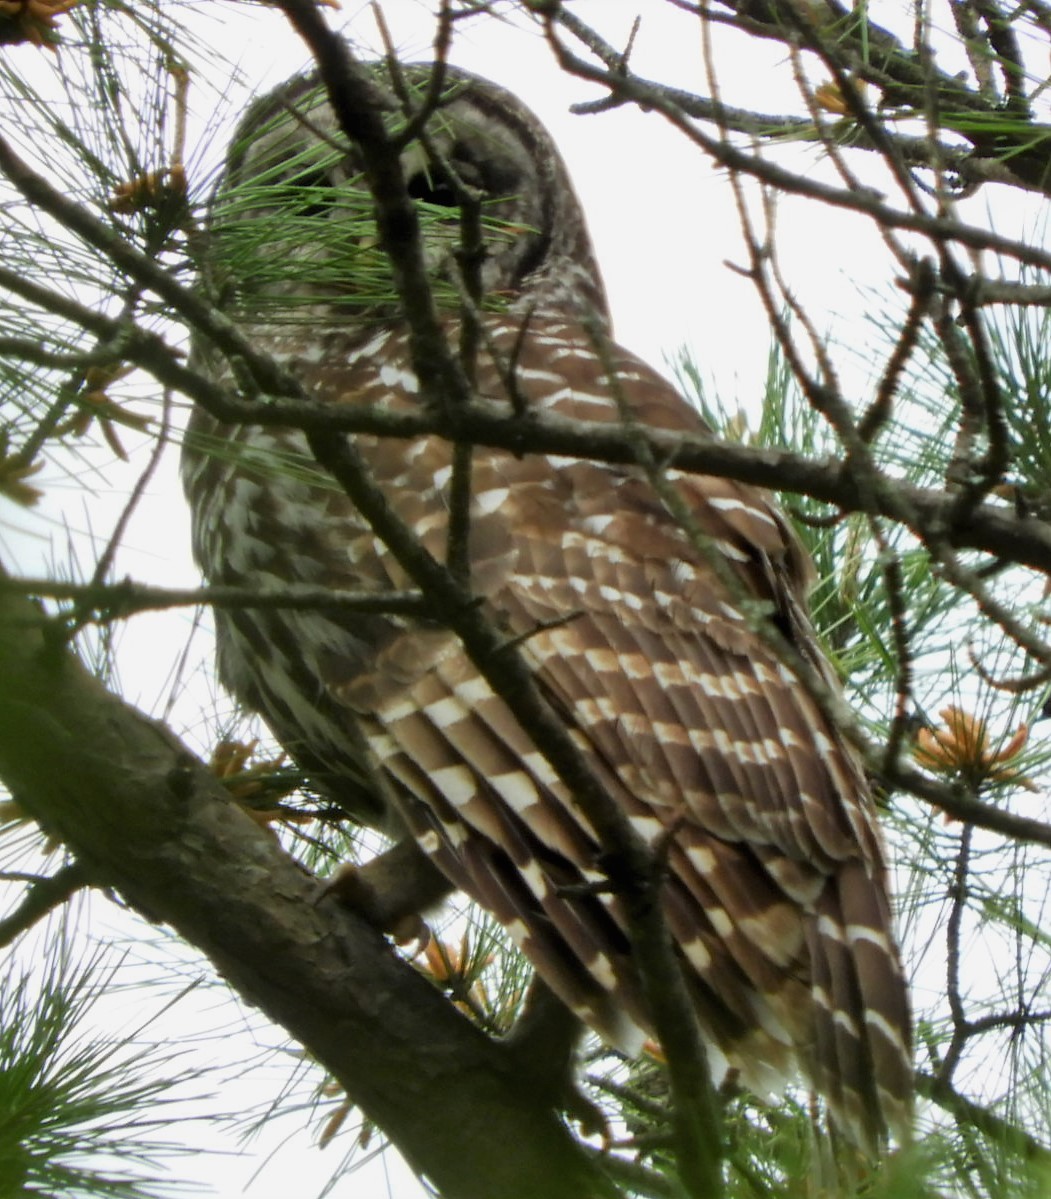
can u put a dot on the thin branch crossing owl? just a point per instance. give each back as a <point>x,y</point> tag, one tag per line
<point>640,631</point>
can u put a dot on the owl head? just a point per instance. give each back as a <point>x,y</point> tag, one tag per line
<point>293,227</point>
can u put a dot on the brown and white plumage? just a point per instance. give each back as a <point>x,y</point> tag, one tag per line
<point>776,888</point>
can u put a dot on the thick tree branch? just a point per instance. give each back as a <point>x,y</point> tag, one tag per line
<point>992,528</point>
<point>147,819</point>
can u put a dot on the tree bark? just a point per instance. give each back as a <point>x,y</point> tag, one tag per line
<point>144,817</point>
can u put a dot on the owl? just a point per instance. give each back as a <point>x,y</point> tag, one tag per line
<point>640,628</point>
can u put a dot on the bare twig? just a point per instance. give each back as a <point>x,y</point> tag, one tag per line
<point>43,896</point>
<point>116,601</point>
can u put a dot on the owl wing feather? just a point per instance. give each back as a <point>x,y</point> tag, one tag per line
<point>776,884</point>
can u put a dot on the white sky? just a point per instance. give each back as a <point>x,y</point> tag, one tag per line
<point>663,222</point>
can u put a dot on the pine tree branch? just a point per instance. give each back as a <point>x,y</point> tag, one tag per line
<point>43,896</point>
<point>996,1128</point>
<point>145,818</point>
<point>627,88</point>
<point>115,601</point>
<point>1004,139</point>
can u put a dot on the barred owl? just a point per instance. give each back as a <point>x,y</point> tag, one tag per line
<point>775,889</point>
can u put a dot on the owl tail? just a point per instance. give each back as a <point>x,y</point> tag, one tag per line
<point>860,1061</point>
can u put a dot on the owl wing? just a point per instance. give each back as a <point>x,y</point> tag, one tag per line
<point>775,890</point>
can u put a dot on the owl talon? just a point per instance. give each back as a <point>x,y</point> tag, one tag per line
<point>351,890</point>
<point>390,891</point>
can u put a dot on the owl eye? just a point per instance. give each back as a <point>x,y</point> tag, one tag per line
<point>432,187</point>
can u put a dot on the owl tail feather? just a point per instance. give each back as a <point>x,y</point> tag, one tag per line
<point>859,1061</point>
